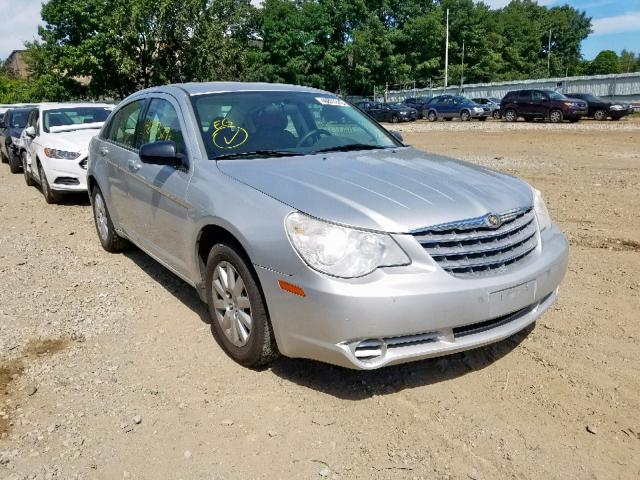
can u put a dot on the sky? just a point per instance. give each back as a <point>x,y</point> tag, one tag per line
<point>616,23</point>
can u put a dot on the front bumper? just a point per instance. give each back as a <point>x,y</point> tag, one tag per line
<point>66,175</point>
<point>482,114</point>
<point>410,313</point>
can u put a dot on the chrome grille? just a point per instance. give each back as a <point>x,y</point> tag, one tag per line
<point>472,246</point>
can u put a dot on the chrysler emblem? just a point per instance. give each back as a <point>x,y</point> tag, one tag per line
<point>493,220</point>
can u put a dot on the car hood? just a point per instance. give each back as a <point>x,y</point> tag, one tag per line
<point>397,190</point>
<point>75,141</point>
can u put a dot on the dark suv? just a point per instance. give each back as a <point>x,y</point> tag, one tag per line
<point>418,103</point>
<point>544,104</point>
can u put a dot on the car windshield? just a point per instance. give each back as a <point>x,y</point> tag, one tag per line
<point>60,117</point>
<point>253,124</point>
<point>19,118</point>
<point>555,95</point>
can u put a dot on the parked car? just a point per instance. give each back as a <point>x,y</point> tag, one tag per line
<point>601,109</point>
<point>13,122</point>
<point>541,104</point>
<point>343,245</point>
<point>419,104</point>
<point>492,103</point>
<point>389,112</point>
<point>450,107</point>
<point>54,146</point>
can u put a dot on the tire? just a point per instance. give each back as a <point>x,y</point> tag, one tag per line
<point>510,115</point>
<point>250,343</point>
<point>14,165</point>
<point>600,115</point>
<point>465,116</point>
<point>28,179</point>
<point>110,240</point>
<point>556,116</point>
<point>497,115</point>
<point>431,116</point>
<point>394,119</point>
<point>49,195</point>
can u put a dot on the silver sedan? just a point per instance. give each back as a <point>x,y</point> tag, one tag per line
<point>311,231</point>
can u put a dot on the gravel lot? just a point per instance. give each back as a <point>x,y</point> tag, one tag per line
<point>108,368</point>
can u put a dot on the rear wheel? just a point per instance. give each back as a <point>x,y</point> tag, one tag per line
<point>600,115</point>
<point>394,119</point>
<point>110,240</point>
<point>510,115</point>
<point>431,116</point>
<point>28,179</point>
<point>497,115</point>
<point>556,116</point>
<point>49,195</point>
<point>465,116</point>
<point>239,317</point>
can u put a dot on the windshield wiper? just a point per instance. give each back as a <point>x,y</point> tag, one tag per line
<point>258,153</point>
<point>349,148</point>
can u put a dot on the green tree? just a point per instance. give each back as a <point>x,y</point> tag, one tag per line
<point>606,62</point>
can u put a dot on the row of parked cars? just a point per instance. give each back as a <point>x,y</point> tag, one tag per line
<point>308,228</point>
<point>526,104</point>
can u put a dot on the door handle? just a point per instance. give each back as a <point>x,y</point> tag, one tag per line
<point>104,151</point>
<point>134,165</point>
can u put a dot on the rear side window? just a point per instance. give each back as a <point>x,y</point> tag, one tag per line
<point>122,128</point>
<point>161,124</point>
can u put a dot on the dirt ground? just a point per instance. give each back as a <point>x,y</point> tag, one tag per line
<point>108,368</point>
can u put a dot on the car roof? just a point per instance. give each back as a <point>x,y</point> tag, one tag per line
<point>56,105</point>
<point>204,88</point>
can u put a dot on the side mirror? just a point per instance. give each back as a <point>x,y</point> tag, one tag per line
<point>160,153</point>
<point>397,135</point>
<point>30,131</point>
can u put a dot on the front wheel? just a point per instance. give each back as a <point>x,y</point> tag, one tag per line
<point>510,115</point>
<point>239,318</point>
<point>497,115</point>
<point>465,116</point>
<point>14,163</point>
<point>28,179</point>
<point>556,116</point>
<point>110,240</point>
<point>49,195</point>
<point>395,119</point>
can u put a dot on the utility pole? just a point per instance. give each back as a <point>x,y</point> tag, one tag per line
<point>549,56</point>
<point>446,56</point>
<point>462,71</point>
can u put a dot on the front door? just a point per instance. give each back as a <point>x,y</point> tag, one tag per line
<point>157,193</point>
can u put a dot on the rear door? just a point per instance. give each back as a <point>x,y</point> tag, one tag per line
<point>539,105</point>
<point>157,193</point>
<point>116,149</point>
<point>446,108</point>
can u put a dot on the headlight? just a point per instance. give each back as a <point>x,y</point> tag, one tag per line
<point>542,214</point>
<point>341,251</point>
<point>616,107</point>
<point>60,154</point>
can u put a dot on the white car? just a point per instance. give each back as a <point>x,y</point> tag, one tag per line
<point>54,145</point>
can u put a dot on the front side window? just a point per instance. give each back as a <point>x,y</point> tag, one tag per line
<point>68,117</point>
<point>19,118</point>
<point>122,128</point>
<point>161,124</point>
<point>244,123</point>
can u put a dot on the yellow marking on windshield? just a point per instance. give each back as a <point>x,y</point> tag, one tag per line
<point>231,135</point>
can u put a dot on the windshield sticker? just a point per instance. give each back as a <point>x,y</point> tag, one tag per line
<point>331,101</point>
<point>226,136</point>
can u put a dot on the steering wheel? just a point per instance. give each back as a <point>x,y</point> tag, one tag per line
<point>316,132</point>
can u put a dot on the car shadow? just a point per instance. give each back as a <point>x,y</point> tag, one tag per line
<point>341,382</point>
<point>358,385</point>
<point>173,284</point>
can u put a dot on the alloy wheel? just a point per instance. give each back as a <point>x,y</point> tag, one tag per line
<point>231,303</point>
<point>510,116</point>
<point>465,116</point>
<point>555,116</point>
<point>599,115</point>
